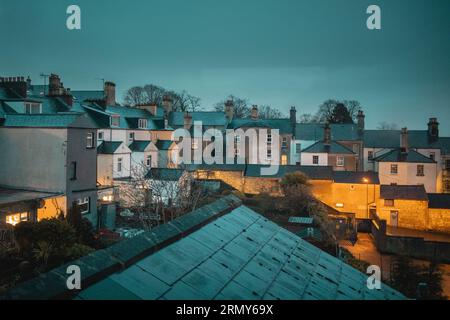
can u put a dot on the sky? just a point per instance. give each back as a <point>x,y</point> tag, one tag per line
<point>278,52</point>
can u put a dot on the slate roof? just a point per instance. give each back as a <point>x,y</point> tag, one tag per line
<point>59,120</point>
<point>108,147</point>
<point>355,177</point>
<point>417,139</point>
<point>208,118</point>
<point>445,145</point>
<point>315,132</point>
<point>82,95</point>
<point>284,125</point>
<point>221,251</point>
<point>439,201</point>
<point>313,172</point>
<point>398,156</point>
<point>164,144</point>
<point>404,192</point>
<point>167,174</point>
<point>334,148</point>
<point>139,146</point>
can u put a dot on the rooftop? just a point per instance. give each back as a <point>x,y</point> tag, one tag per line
<point>9,196</point>
<point>398,156</point>
<point>439,201</point>
<point>334,148</point>
<point>403,192</point>
<point>221,251</point>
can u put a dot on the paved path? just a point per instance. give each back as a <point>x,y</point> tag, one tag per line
<point>365,250</point>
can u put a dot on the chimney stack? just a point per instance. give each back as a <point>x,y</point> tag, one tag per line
<point>229,110</point>
<point>167,104</point>
<point>55,87</point>
<point>17,85</point>
<point>254,113</point>
<point>433,130</point>
<point>361,123</point>
<point>187,121</point>
<point>109,90</point>
<point>293,116</point>
<point>404,140</point>
<point>327,134</point>
<point>150,107</point>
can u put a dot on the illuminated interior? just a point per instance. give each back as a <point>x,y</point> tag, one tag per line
<point>15,218</point>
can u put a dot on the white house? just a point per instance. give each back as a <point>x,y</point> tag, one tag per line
<point>113,162</point>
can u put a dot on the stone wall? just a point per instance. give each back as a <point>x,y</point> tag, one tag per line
<point>412,214</point>
<point>439,220</point>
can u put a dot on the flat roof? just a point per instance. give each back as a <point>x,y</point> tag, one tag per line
<point>8,196</point>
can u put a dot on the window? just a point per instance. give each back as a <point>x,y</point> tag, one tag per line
<point>339,205</point>
<point>340,161</point>
<point>90,140</point>
<point>420,170</point>
<point>388,202</point>
<point>83,203</point>
<point>269,154</point>
<point>394,169</point>
<point>284,160</point>
<point>315,159</point>
<point>269,138</point>
<point>33,108</point>
<point>433,156</point>
<point>298,147</point>
<point>142,124</point>
<point>131,137</point>
<point>284,143</point>
<point>16,218</point>
<point>370,155</point>
<point>148,161</point>
<point>115,120</point>
<point>100,136</point>
<point>73,170</point>
<point>119,165</point>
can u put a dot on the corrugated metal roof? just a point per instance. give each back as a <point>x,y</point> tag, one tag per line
<point>241,255</point>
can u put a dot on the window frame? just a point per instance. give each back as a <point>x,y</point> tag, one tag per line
<point>29,107</point>
<point>90,140</point>
<point>340,163</point>
<point>420,170</point>
<point>314,157</point>
<point>394,172</point>
<point>112,119</point>
<point>142,123</point>
<point>119,164</point>
<point>84,201</point>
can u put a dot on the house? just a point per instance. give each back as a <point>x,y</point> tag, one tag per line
<point>144,154</point>
<point>403,206</point>
<point>167,154</point>
<point>113,162</point>
<point>406,166</point>
<point>54,154</point>
<point>222,251</point>
<point>329,153</point>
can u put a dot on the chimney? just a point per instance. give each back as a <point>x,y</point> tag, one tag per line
<point>109,90</point>
<point>187,121</point>
<point>361,123</point>
<point>404,140</point>
<point>167,104</point>
<point>229,110</point>
<point>67,97</point>
<point>254,113</point>
<point>293,116</point>
<point>54,86</point>
<point>150,107</point>
<point>327,134</point>
<point>17,85</point>
<point>433,130</point>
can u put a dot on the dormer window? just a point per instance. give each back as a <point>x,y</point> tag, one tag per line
<point>115,120</point>
<point>142,124</point>
<point>33,108</point>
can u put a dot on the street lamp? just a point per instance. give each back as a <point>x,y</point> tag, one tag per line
<point>366,181</point>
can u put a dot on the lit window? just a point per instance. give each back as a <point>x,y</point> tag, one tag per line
<point>148,161</point>
<point>90,140</point>
<point>284,160</point>
<point>394,169</point>
<point>131,137</point>
<point>119,165</point>
<point>388,202</point>
<point>33,108</point>
<point>142,123</point>
<point>420,170</point>
<point>115,120</point>
<point>315,160</point>
<point>339,205</point>
<point>83,204</point>
<point>100,136</point>
<point>16,218</point>
<point>340,161</point>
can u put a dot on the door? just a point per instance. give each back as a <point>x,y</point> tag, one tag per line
<point>394,219</point>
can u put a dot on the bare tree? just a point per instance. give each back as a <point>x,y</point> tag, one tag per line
<point>241,106</point>
<point>183,101</point>
<point>153,93</point>
<point>268,112</point>
<point>307,118</point>
<point>384,125</point>
<point>135,95</point>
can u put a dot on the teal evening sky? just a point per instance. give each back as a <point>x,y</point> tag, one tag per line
<point>277,52</point>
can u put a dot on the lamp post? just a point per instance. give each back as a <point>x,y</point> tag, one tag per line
<point>366,181</point>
